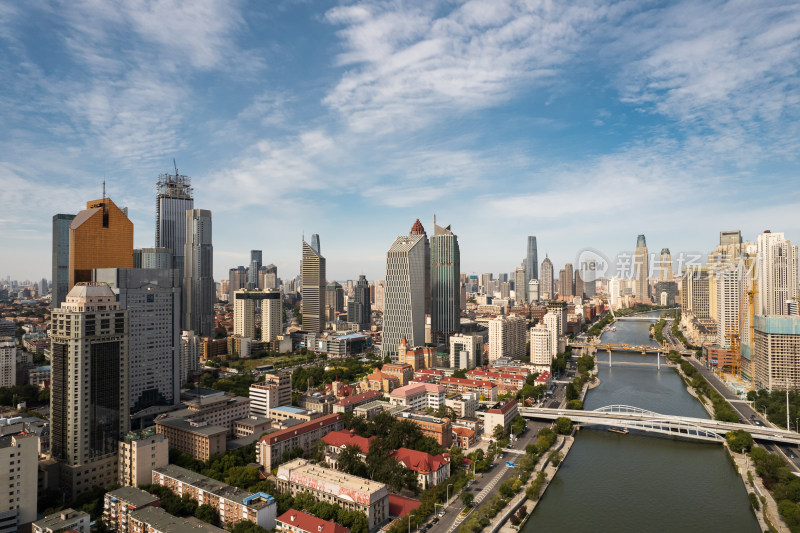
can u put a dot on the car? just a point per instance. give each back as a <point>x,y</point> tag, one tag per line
<point>435,521</point>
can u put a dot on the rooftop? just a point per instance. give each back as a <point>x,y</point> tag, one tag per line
<point>309,523</point>
<point>161,520</point>
<point>470,382</point>
<point>197,428</point>
<point>290,409</point>
<point>417,388</point>
<point>401,506</point>
<point>339,484</point>
<point>62,519</point>
<point>132,496</point>
<point>299,429</point>
<point>215,487</point>
<point>348,438</point>
<point>421,462</point>
<point>360,398</point>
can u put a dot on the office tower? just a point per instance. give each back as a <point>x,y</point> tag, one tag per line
<point>152,299</point>
<point>777,273</point>
<point>666,292</point>
<point>380,295</point>
<point>505,290</point>
<point>727,238</point>
<point>541,347</point>
<point>252,272</point>
<point>268,277</point>
<point>160,258</point>
<point>271,315</point>
<point>507,337</point>
<point>198,274</point>
<point>532,262</point>
<point>174,198</point>
<point>60,280</point>
<point>237,279</point>
<point>503,278</point>
<point>445,284</point>
<point>580,288</point>
<point>313,287</point>
<point>486,282</point>
<point>665,265</point>
<point>732,281</point>
<point>695,293</point>
<point>137,258</point>
<point>245,303</point>
<point>417,229</point>
<point>520,294</point>
<point>100,236</point>
<point>569,288</point>
<point>546,288</point>
<point>533,291</point>
<point>334,296</point>
<point>190,355</point>
<point>466,351</point>
<point>89,403</point>
<point>641,270</point>
<point>589,275</point>
<point>553,323</point>
<point>407,268</point>
<point>359,310</point>
<point>8,362</point>
<point>562,283</point>
<point>614,291</point>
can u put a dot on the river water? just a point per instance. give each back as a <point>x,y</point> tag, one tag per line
<point>612,482</point>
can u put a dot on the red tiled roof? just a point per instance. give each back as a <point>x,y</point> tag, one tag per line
<point>505,408</point>
<point>501,375</point>
<point>421,462</point>
<point>543,377</point>
<point>348,438</point>
<point>417,228</point>
<point>299,429</point>
<point>401,506</point>
<point>471,382</point>
<point>309,523</point>
<point>360,398</point>
<point>463,432</point>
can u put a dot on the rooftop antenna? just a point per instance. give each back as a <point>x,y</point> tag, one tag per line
<point>174,164</point>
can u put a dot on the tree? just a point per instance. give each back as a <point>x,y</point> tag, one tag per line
<point>350,461</point>
<point>739,440</point>
<point>460,373</point>
<point>571,392</point>
<point>467,498</point>
<point>246,526</point>
<point>576,405</point>
<point>499,432</point>
<point>207,513</point>
<point>563,425</point>
<point>555,457</point>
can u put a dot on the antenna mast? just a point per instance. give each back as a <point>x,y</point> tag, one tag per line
<point>174,164</point>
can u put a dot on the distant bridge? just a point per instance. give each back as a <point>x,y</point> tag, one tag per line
<point>626,363</point>
<point>635,418</point>
<point>640,318</point>
<point>640,348</point>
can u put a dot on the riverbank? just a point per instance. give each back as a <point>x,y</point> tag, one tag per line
<point>768,517</point>
<point>502,523</point>
<point>703,401</point>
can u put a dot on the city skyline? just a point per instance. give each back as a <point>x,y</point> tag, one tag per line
<point>608,103</point>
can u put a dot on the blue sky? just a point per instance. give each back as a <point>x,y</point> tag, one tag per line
<point>582,123</point>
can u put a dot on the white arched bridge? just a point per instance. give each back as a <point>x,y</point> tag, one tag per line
<point>635,418</point>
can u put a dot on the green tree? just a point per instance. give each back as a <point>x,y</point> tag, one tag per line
<point>467,498</point>
<point>739,440</point>
<point>518,425</point>
<point>207,513</point>
<point>555,457</point>
<point>576,405</point>
<point>460,373</point>
<point>499,432</point>
<point>246,526</point>
<point>563,425</point>
<point>350,461</point>
<point>571,393</point>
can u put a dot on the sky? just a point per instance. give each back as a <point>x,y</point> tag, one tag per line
<point>583,123</point>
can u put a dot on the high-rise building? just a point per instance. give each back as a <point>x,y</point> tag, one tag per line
<point>445,284</point>
<point>732,282</point>
<point>359,310</point>
<point>507,337</point>
<point>268,277</point>
<point>8,362</point>
<point>776,347</point>
<point>160,258</point>
<point>89,392</point>
<point>60,280</point>
<point>665,265</point>
<point>334,296</point>
<point>553,324</point>
<point>466,351</point>
<point>727,238</point>
<point>546,281</point>
<point>237,279</point>
<point>777,273</point>
<point>198,274</point>
<point>100,236</point>
<point>560,309</point>
<point>19,454</point>
<point>313,287</point>
<point>534,294</point>
<point>695,293</point>
<point>174,198</point>
<point>564,284</point>
<point>271,315</point>
<point>417,229</point>
<point>153,300</point>
<point>541,347</point>
<point>255,266</point>
<point>589,275</point>
<point>569,289</point>
<point>532,262</point>
<point>580,287</point>
<point>520,293</point>
<point>505,290</point>
<point>245,303</point>
<point>407,278</point>
<point>190,354</point>
<point>641,270</point>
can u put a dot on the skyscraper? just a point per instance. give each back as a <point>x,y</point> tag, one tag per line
<point>269,277</point>
<point>100,236</point>
<point>252,272</point>
<point>732,283</point>
<point>417,229</point>
<point>359,309</point>
<point>569,290</point>
<point>520,292</point>
<point>271,315</point>
<point>89,401</point>
<point>445,284</point>
<point>407,269</point>
<point>237,279</point>
<point>532,262</point>
<point>190,354</point>
<point>174,198</point>
<point>564,284</point>
<point>244,312</point>
<point>641,270</point>
<point>152,298</point>
<point>315,243</point>
<point>777,273</point>
<point>60,280</point>
<point>334,297</point>
<point>198,274</point>
<point>507,337</point>
<point>580,288</point>
<point>546,281</point>
<point>313,287</point>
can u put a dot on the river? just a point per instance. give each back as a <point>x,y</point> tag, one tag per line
<point>612,482</point>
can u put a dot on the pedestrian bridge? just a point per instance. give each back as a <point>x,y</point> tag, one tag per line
<point>635,418</point>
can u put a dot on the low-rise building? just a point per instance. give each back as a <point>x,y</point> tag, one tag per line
<point>287,412</point>
<point>418,357</point>
<point>270,448</point>
<point>464,405</point>
<point>198,439</point>
<point>464,438</point>
<point>418,396</point>
<point>402,371</point>
<point>294,521</point>
<point>501,414</point>
<point>231,503</point>
<point>428,375</point>
<point>431,469</point>
<point>62,521</point>
<point>139,453</point>
<point>487,389</point>
<point>336,441</point>
<point>321,403</point>
<point>252,425</point>
<point>380,381</point>
<point>157,520</point>
<point>119,503</point>
<point>439,429</point>
<point>503,380</point>
<point>352,493</point>
<point>346,405</point>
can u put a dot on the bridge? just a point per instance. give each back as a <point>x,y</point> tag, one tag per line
<point>638,348</point>
<point>628,363</point>
<point>640,318</point>
<point>635,418</point>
